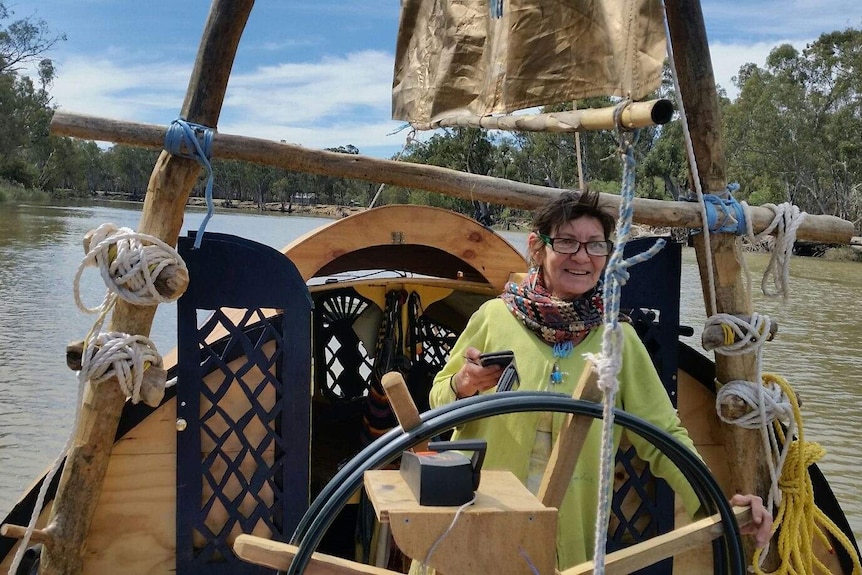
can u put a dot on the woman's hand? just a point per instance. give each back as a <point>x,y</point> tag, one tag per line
<point>761,519</point>
<point>472,378</point>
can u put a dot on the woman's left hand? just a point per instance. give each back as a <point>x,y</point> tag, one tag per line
<point>761,519</point>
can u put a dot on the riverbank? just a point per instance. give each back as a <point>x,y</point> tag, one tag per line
<point>314,210</point>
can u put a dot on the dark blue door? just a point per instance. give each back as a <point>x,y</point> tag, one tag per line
<point>243,401</point>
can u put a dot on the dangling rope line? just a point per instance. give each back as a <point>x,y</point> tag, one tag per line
<point>616,275</point>
<point>194,141</point>
<point>129,267</point>
<point>786,221</point>
<point>411,136</point>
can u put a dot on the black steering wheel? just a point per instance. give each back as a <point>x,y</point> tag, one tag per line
<point>335,495</point>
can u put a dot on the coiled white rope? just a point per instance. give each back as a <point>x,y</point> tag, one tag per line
<point>787,219</point>
<point>123,356</point>
<point>129,263</point>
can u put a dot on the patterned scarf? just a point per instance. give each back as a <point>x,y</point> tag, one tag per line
<point>557,322</point>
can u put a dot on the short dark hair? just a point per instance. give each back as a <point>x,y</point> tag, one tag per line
<point>571,206</point>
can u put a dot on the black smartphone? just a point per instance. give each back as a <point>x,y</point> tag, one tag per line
<point>501,358</point>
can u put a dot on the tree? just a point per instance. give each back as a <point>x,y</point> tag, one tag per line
<point>791,131</point>
<point>24,40</point>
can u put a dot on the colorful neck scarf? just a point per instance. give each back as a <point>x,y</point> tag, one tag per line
<point>557,322</point>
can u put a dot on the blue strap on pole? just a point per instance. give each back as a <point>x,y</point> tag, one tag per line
<point>194,141</point>
<point>725,214</point>
<point>496,9</point>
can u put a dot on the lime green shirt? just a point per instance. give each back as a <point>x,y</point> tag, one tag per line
<point>511,437</point>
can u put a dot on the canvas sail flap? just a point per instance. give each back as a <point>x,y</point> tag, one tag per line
<point>458,57</point>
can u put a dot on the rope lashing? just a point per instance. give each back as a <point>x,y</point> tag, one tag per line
<point>610,362</point>
<point>726,215</point>
<point>741,336</point>
<point>123,356</point>
<point>194,141</point>
<point>131,263</point>
<point>798,520</point>
<point>787,219</point>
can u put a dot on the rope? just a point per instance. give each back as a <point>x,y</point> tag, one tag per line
<point>119,355</point>
<point>128,265</point>
<point>411,136</point>
<point>194,141</point>
<point>798,520</point>
<point>733,214</point>
<point>740,336</point>
<point>616,275</point>
<point>787,219</point>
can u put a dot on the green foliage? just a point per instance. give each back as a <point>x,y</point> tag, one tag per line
<point>792,128</point>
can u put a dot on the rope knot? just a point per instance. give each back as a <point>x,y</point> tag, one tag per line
<point>129,358</point>
<point>741,335</point>
<point>139,268</point>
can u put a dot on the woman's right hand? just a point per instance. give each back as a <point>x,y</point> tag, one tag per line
<point>472,378</point>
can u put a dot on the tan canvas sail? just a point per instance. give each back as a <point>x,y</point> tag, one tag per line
<point>457,57</point>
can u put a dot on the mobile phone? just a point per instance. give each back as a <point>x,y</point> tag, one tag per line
<point>501,358</point>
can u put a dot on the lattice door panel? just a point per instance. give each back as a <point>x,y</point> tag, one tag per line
<point>243,402</point>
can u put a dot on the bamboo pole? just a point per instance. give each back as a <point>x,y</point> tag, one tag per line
<point>167,193</point>
<point>746,456</point>
<point>825,229</point>
<point>635,115</point>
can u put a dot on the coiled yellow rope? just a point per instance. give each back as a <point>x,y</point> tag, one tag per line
<point>798,520</point>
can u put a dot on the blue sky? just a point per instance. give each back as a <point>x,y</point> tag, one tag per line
<point>318,72</point>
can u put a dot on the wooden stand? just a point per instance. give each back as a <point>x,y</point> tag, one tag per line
<point>506,530</point>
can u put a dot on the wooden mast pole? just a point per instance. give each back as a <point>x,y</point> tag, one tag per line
<point>746,456</point>
<point>168,190</point>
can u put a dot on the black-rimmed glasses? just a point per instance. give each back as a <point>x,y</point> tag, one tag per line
<point>573,246</point>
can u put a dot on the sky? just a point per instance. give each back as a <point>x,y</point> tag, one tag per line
<point>318,73</point>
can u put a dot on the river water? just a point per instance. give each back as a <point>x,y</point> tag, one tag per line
<point>817,348</point>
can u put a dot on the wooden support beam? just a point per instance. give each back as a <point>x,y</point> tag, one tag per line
<point>277,555</point>
<point>570,440</point>
<point>653,550</point>
<point>167,193</point>
<point>825,229</point>
<point>746,456</point>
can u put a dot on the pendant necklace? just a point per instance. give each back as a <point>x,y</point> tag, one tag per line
<point>561,350</point>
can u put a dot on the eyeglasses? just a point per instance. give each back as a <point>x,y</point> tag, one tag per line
<point>573,246</point>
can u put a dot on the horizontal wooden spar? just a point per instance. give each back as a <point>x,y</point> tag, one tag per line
<point>659,213</point>
<point>633,116</point>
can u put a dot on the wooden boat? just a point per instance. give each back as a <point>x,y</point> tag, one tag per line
<point>211,462</point>
<point>274,385</point>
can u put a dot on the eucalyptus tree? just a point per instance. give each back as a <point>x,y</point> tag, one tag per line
<point>793,130</point>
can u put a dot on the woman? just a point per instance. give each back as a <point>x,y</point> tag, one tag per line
<point>550,321</point>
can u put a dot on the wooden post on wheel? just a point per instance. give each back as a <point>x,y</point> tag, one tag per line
<point>167,193</point>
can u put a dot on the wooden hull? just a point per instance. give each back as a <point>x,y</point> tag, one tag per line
<point>459,265</point>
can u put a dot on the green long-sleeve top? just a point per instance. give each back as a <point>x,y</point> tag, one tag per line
<point>511,437</point>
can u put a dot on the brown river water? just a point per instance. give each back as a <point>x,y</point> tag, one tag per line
<point>817,348</point>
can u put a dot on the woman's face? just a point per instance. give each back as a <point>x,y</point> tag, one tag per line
<point>569,276</point>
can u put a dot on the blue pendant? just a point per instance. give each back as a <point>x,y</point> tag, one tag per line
<point>556,374</point>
